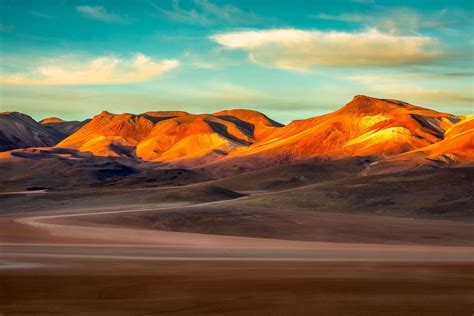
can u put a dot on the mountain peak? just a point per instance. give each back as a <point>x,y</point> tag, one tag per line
<point>362,104</point>
<point>250,116</point>
<point>51,120</point>
<point>165,113</point>
<point>14,113</point>
<point>104,113</point>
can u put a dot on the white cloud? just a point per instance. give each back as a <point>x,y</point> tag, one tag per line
<point>101,70</point>
<point>100,13</point>
<point>205,12</point>
<point>302,49</point>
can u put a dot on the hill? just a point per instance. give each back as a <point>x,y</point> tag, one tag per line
<point>19,130</point>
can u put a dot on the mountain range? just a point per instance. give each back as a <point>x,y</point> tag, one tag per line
<point>390,134</point>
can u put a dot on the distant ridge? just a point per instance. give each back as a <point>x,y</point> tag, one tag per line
<point>49,120</point>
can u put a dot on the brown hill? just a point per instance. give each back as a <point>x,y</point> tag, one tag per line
<point>18,130</point>
<point>57,167</point>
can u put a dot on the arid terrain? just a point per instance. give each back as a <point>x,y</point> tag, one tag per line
<point>367,210</point>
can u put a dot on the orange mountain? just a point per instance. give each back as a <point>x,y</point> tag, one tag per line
<point>110,134</point>
<point>363,127</point>
<point>255,124</point>
<point>170,136</point>
<point>457,147</point>
<point>198,139</point>
<point>49,120</point>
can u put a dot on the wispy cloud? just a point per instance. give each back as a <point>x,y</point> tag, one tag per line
<point>302,49</point>
<point>204,12</point>
<point>100,13</point>
<point>98,71</point>
<point>40,14</point>
<point>6,28</point>
<point>402,20</point>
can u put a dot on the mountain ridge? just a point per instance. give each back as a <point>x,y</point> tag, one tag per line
<point>382,129</point>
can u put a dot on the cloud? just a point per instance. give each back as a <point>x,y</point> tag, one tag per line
<point>99,71</point>
<point>205,12</point>
<point>5,28</point>
<point>302,49</point>
<point>100,13</point>
<point>40,14</point>
<point>402,20</point>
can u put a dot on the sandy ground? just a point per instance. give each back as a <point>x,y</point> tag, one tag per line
<point>64,227</point>
<point>190,287</point>
<point>64,264</point>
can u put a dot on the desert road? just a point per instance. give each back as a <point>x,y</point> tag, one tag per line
<point>70,233</point>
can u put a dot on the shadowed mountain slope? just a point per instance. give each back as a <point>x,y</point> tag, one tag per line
<point>65,128</point>
<point>58,167</point>
<point>18,130</point>
<point>253,123</point>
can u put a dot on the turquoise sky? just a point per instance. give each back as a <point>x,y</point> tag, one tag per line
<point>288,59</point>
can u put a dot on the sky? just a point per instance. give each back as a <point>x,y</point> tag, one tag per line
<point>288,59</point>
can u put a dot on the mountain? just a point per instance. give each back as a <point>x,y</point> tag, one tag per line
<point>65,128</point>
<point>156,116</point>
<point>52,119</point>
<point>57,167</point>
<point>195,138</point>
<point>170,136</point>
<point>457,148</point>
<point>363,127</point>
<point>383,131</point>
<point>110,134</point>
<point>192,140</point>
<point>18,130</point>
<point>254,123</point>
